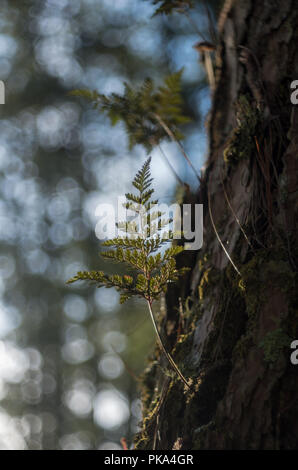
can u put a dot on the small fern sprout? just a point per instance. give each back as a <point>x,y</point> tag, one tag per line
<point>138,248</point>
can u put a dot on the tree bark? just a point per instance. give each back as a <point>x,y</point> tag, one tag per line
<point>230,324</point>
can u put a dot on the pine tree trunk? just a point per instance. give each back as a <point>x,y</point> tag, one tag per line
<point>231,323</point>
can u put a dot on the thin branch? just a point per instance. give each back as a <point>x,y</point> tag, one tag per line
<point>191,21</point>
<point>234,214</point>
<point>168,356</point>
<point>212,31</point>
<point>174,138</point>
<point>170,166</point>
<point>218,237</point>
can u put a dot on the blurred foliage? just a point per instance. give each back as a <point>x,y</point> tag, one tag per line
<point>169,6</point>
<point>69,358</point>
<point>140,108</point>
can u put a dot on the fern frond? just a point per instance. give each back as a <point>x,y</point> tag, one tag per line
<point>153,271</point>
<point>169,6</point>
<point>137,108</point>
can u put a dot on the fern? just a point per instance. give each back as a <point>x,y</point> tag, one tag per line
<point>142,109</point>
<point>138,249</point>
<point>169,6</point>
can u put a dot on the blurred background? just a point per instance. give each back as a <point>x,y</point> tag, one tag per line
<point>70,356</point>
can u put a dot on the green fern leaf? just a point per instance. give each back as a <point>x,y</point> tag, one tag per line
<point>152,271</point>
<point>138,109</point>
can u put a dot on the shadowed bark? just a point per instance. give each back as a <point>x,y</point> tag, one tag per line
<point>231,322</point>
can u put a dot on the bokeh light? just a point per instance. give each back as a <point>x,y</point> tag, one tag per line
<point>69,354</point>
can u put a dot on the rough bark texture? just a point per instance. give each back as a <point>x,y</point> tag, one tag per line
<point>235,328</point>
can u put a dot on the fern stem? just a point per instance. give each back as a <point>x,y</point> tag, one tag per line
<point>218,237</point>
<point>170,166</point>
<point>234,214</point>
<point>174,138</point>
<point>168,356</point>
<point>193,24</point>
<point>211,28</point>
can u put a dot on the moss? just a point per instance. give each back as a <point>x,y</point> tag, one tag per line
<point>250,286</point>
<point>204,280</point>
<point>148,386</point>
<point>144,437</point>
<point>172,404</point>
<point>237,317</point>
<point>209,278</point>
<point>235,323</point>
<point>273,344</point>
<point>172,407</point>
<point>266,266</point>
<point>182,351</point>
<point>141,441</point>
<point>242,143</point>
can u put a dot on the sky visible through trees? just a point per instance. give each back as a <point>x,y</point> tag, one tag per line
<point>70,355</point>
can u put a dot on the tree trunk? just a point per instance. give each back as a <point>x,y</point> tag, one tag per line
<point>229,326</point>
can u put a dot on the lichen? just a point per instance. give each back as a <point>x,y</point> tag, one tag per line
<point>235,324</point>
<point>242,143</point>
